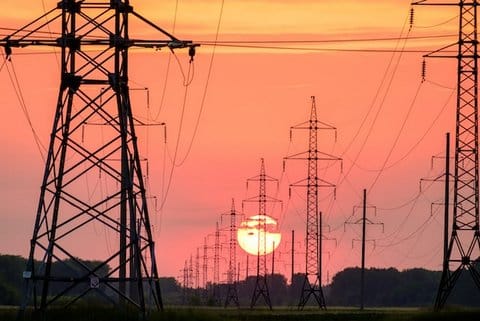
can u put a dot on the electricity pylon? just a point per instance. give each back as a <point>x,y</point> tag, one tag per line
<point>312,284</point>
<point>464,246</point>
<point>232,290</point>
<point>216,247</point>
<point>197,270</point>
<point>191,281</point>
<point>94,41</point>
<point>261,286</point>
<point>216,265</point>
<point>186,282</point>
<point>205,268</point>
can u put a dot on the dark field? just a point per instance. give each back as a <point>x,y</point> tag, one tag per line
<point>231,314</point>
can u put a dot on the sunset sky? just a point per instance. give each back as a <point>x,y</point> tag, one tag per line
<point>389,123</point>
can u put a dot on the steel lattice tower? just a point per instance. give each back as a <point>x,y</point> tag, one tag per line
<point>261,286</point>
<point>197,270</point>
<point>94,40</point>
<point>216,265</point>
<point>464,245</point>
<point>185,282</point>
<point>205,264</point>
<point>312,284</point>
<point>232,291</point>
<point>190,273</point>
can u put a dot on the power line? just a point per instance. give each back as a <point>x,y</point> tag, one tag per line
<point>397,138</point>
<point>21,100</point>
<point>364,50</point>
<point>204,96</point>
<point>186,84</point>
<point>167,72</point>
<point>310,41</point>
<point>383,81</point>
<point>417,143</point>
<point>438,24</point>
<point>386,82</point>
<point>269,41</point>
<point>179,134</point>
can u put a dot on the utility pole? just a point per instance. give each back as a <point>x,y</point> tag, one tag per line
<point>463,252</point>
<point>312,285</point>
<point>447,202</point>
<point>293,256</point>
<point>273,259</point>
<point>364,221</point>
<point>65,209</point>
<point>364,225</point>
<point>261,286</point>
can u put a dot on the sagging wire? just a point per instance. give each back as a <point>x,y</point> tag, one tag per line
<point>397,138</point>
<point>182,118</point>
<point>51,36</point>
<point>427,131</point>
<point>205,91</point>
<point>385,84</point>
<point>3,64</point>
<point>390,72</point>
<point>188,77</point>
<point>438,24</point>
<point>167,72</point>
<point>19,93</point>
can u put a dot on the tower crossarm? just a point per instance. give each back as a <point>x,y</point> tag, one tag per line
<point>33,33</point>
<point>314,124</point>
<point>319,156</point>
<point>306,183</point>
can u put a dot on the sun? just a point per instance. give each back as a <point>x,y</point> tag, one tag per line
<point>257,228</point>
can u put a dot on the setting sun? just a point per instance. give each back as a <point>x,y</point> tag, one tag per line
<point>255,239</point>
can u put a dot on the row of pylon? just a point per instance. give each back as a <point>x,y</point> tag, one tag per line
<point>312,286</point>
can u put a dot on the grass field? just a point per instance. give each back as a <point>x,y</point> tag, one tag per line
<point>233,314</point>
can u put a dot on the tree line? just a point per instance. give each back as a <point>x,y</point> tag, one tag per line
<point>383,288</point>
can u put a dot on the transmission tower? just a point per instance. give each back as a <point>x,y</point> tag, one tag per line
<point>205,267</point>
<point>94,40</point>
<point>216,265</point>
<point>186,281</point>
<point>261,286</point>
<point>197,270</point>
<point>190,273</point>
<point>232,291</point>
<point>312,284</point>
<point>464,246</point>
<point>216,247</point>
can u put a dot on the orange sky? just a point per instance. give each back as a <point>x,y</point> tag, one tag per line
<point>253,98</point>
